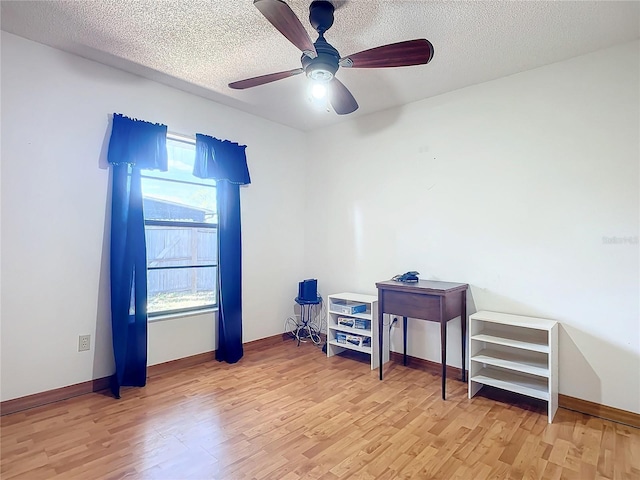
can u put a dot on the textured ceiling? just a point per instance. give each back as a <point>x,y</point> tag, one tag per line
<point>201,46</point>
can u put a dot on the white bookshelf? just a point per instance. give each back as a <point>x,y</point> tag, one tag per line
<point>514,353</point>
<point>335,303</point>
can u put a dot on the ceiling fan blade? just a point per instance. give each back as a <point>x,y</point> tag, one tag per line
<point>262,79</point>
<point>288,24</point>
<point>401,54</point>
<point>340,98</point>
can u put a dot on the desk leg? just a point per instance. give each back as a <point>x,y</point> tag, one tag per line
<point>404,341</point>
<point>380,333</point>
<point>443,347</point>
<point>463,320</point>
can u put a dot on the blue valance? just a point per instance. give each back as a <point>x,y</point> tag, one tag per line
<point>221,160</point>
<point>138,143</point>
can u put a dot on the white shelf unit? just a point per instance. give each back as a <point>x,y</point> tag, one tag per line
<point>334,310</point>
<point>514,353</point>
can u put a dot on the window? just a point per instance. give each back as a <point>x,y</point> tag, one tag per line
<point>181,230</point>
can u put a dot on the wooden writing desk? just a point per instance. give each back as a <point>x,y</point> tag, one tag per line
<point>426,300</point>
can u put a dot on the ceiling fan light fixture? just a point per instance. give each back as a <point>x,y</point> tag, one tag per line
<point>318,95</point>
<point>319,90</point>
<point>320,75</point>
<point>319,71</point>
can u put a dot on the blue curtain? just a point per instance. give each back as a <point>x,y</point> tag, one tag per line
<point>134,145</point>
<point>226,162</point>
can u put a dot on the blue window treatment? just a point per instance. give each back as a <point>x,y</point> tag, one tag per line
<point>134,145</point>
<point>226,162</point>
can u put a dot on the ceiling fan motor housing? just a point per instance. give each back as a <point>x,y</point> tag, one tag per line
<point>323,67</point>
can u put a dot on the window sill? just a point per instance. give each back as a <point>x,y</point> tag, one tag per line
<point>174,316</point>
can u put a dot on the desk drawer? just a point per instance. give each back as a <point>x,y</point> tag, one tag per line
<point>425,307</point>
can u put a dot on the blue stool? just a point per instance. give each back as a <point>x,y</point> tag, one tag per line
<point>305,329</point>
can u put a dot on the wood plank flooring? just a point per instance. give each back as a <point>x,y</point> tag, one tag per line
<point>287,413</point>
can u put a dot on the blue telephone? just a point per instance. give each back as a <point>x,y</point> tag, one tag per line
<point>409,277</point>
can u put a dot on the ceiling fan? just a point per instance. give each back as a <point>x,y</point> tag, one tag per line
<point>320,60</point>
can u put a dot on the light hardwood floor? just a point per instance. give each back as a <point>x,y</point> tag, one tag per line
<point>286,412</point>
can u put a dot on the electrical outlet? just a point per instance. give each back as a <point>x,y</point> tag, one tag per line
<point>84,343</point>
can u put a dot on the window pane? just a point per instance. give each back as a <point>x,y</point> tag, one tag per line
<point>178,201</point>
<point>178,196</point>
<point>182,288</point>
<point>181,246</point>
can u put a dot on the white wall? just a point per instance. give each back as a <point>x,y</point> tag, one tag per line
<point>55,202</point>
<point>509,186</point>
